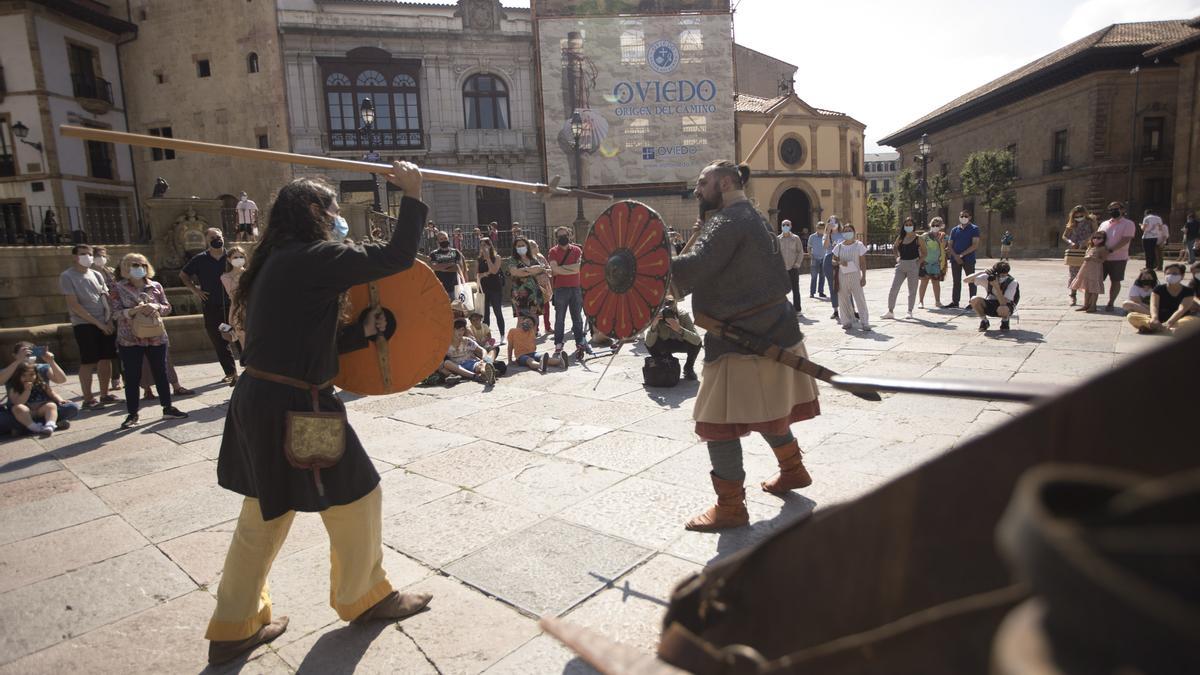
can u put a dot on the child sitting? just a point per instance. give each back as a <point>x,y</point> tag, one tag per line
<point>1140,292</point>
<point>30,398</point>
<point>466,358</point>
<point>521,341</point>
<point>1090,278</point>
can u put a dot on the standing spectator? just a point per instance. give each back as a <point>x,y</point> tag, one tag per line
<point>851,259</point>
<point>671,332</point>
<point>910,251</point>
<point>1140,292</point>
<point>86,294</point>
<point>543,280</point>
<point>792,248</point>
<point>494,232</point>
<point>1090,279</point>
<point>206,269</point>
<point>933,262</point>
<point>491,282</point>
<point>1154,237</point>
<point>1006,241</point>
<point>447,263</point>
<point>1170,305</point>
<point>1120,231</point>
<point>804,238</point>
<point>247,216</point>
<point>964,239</point>
<point>816,257</point>
<point>1076,234</point>
<point>833,236</point>
<point>1191,236</point>
<point>100,264</point>
<point>48,371</point>
<point>998,295</point>
<point>235,266</point>
<point>458,238</point>
<point>524,271</point>
<point>565,260</point>
<point>138,298</point>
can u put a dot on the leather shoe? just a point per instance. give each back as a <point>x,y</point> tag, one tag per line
<point>223,651</point>
<point>396,605</point>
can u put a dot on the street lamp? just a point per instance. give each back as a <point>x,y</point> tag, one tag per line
<point>366,115</point>
<point>20,131</point>
<point>577,133</point>
<point>925,150</point>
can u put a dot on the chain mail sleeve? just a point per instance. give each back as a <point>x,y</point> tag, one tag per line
<point>711,254</point>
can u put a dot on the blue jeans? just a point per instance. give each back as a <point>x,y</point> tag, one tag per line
<point>131,360</point>
<point>827,271</point>
<point>815,275</point>
<point>568,299</point>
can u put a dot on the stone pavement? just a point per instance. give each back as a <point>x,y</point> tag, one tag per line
<point>546,495</point>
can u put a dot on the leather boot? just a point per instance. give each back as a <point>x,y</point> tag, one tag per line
<point>729,511</point>
<point>395,605</point>
<point>222,651</point>
<point>792,473</point>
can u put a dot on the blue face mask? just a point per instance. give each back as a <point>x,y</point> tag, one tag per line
<point>341,229</point>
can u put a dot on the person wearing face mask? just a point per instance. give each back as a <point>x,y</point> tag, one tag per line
<point>1090,279</point>
<point>1155,235</point>
<point>491,282</point>
<point>833,237</point>
<point>998,295</point>
<point>235,265</point>
<point>963,241</point>
<point>816,256</point>
<point>791,246</point>
<point>1076,235</point>
<point>524,271</point>
<point>293,300</point>
<point>910,251</point>
<point>565,259</point>
<point>86,295</point>
<point>100,264</point>
<point>1171,305</point>
<point>202,276</point>
<point>1140,292</point>
<point>850,256</point>
<point>138,295</point>
<point>1120,231</point>
<point>933,261</point>
<point>447,263</point>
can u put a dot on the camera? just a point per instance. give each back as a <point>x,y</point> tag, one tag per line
<point>669,314</point>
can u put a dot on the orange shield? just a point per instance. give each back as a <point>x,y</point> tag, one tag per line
<point>626,269</point>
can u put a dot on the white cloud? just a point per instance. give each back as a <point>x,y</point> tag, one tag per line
<point>1092,15</point>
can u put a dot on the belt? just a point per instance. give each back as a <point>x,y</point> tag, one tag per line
<point>756,309</point>
<point>312,389</point>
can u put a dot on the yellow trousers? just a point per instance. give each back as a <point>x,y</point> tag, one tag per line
<point>356,577</point>
<point>1141,321</point>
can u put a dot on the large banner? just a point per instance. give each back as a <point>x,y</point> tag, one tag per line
<point>649,98</point>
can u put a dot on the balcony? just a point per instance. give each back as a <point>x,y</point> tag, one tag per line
<point>490,142</point>
<point>94,93</point>
<point>8,166</point>
<point>1058,165</point>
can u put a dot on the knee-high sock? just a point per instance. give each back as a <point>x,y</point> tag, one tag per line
<point>726,458</point>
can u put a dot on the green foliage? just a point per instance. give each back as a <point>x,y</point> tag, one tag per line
<point>908,194</point>
<point>939,192</point>
<point>881,214</point>
<point>988,175</point>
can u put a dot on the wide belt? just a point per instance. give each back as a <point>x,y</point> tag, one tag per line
<point>312,389</point>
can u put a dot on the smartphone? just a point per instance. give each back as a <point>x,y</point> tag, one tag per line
<point>39,351</point>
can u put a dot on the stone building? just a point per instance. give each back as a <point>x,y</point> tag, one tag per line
<point>1071,120</point>
<point>58,65</point>
<point>880,170</point>
<point>1185,174</point>
<point>200,73</point>
<point>761,75</point>
<point>453,88</point>
<point>811,164</point>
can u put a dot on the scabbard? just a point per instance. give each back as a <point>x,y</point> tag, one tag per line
<point>763,347</point>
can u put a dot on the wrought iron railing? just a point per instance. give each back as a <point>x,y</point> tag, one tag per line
<point>58,225</point>
<point>90,86</point>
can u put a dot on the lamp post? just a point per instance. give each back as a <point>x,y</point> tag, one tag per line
<point>577,133</point>
<point>366,115</point>
<point>925,149</point>
<point>1137,81</point>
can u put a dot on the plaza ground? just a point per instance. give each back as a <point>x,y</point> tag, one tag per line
<point>545,495</point>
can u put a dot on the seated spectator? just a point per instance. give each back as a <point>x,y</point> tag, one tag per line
<point>672,332</point>
<point>32,401</point>
<point>522,342</point>
<point>1171,305</point>
<point>466,358</point>
<point>994,285</point>
<point>1140,291</point>
<point>480,332</point>
<point>48,371</point>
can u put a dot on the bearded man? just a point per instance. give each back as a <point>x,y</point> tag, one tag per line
<point>736,275</point>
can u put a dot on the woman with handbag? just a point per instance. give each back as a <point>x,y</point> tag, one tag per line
<point>1076,234</point>
<point>287,446</point>
<point>139,304</point>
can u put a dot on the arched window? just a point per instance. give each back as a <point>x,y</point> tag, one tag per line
<point>252,62</point>
<point>392,86</point>
<point>485,102</point>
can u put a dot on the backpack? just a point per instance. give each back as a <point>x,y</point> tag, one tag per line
<point>1016,296</point>
<point>661,371</point>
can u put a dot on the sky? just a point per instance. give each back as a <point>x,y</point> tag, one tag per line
<point>888,63</point>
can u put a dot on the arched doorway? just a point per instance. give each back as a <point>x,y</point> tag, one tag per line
<point>795,206</point>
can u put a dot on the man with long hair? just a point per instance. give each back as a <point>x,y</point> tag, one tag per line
<point>292,301</point>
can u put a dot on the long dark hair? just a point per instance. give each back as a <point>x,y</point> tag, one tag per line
<point>14,381</point>
<point>528,257</point>
<point>290,220</point>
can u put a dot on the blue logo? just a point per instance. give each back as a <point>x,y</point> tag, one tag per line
<point>647,154</point>
<point>663,57</point>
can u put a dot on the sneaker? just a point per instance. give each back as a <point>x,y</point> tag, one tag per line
<point>689,374</point>
<point>922,305</point>
<point>545,362</point>
<point>908,316</point>
<point>811,295</point>
<point>174,413</point>
<point>984,325</point>
<point>1004,325</point>
<point>834,315</point>
<point>822,295</point>
<point>130,422</point>
<point>889,315</point>
<point>63,425</point>
<point>50,427</point>
<point>489,374</point>
<point>37,428</point>
<point>866,328</point>
<point>109,398</point>
<point>953,305</point>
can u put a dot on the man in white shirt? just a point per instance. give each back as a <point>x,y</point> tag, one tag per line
<point>247,212</point>
<point>849,257</point>
<point>1154,237</point>
<point>998,295</point>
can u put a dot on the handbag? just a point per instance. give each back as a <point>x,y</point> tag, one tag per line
<point>311,440</point>
<point>148,326</point>
<point>660,371</point>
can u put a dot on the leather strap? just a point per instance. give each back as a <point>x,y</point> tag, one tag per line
<point>756,309</point>
<point>312,389</point>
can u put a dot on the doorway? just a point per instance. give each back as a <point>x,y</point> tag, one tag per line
<point>492,204</point>
<point>794,205</point>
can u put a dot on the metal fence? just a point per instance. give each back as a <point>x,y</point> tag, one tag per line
<point>55,225</point>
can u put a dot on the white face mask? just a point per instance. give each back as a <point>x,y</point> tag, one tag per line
<point>1174,278</point>
<point>521,250</point>
<point>238,263</point>
<point>964,221</point>
<point>1079,219</point>
<point>908,228</point>
<point>101,261</point>
<point>137,272</point>
<point>85,260</point>
<point>848,236</point>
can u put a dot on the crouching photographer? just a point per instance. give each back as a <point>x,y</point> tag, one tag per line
<point>672,332</point>
<point>997,296</point>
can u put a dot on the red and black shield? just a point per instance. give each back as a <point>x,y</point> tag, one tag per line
<point>626,269</point>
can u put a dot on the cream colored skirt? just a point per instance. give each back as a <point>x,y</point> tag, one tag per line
<point>744,389</point>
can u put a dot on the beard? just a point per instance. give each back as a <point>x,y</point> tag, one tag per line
<point>712,204</point>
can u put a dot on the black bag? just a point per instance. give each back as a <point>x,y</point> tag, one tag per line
<point>661,371</point>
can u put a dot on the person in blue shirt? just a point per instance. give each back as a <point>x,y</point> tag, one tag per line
<point>816,253</point>
<point>964,239</point>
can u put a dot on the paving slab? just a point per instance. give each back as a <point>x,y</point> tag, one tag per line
<point>340,649</point>
<point>474,464</point>
<point>400,443</point>
<point>549,567</point>
<point>125,457</point>
<point>403,490</point>
<point>446,529</point>
<point>643,511</point>
<point>49,555</point>
<point>624,451</point>
<point>172,503</point>
<point>543,654</point>
<point>23,458</point>
<point>548,485</point>
<point>46,503</point>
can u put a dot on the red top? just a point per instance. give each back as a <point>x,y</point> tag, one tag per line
<point>568,255</point>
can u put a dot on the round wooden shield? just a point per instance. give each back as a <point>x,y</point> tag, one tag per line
<point>419,329</point>
<point>626,269</point>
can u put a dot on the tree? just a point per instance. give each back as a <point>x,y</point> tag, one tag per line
<point>881,216</point>
<point>988,175</point>
<point>939,192</point>
<point>908,193</point>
